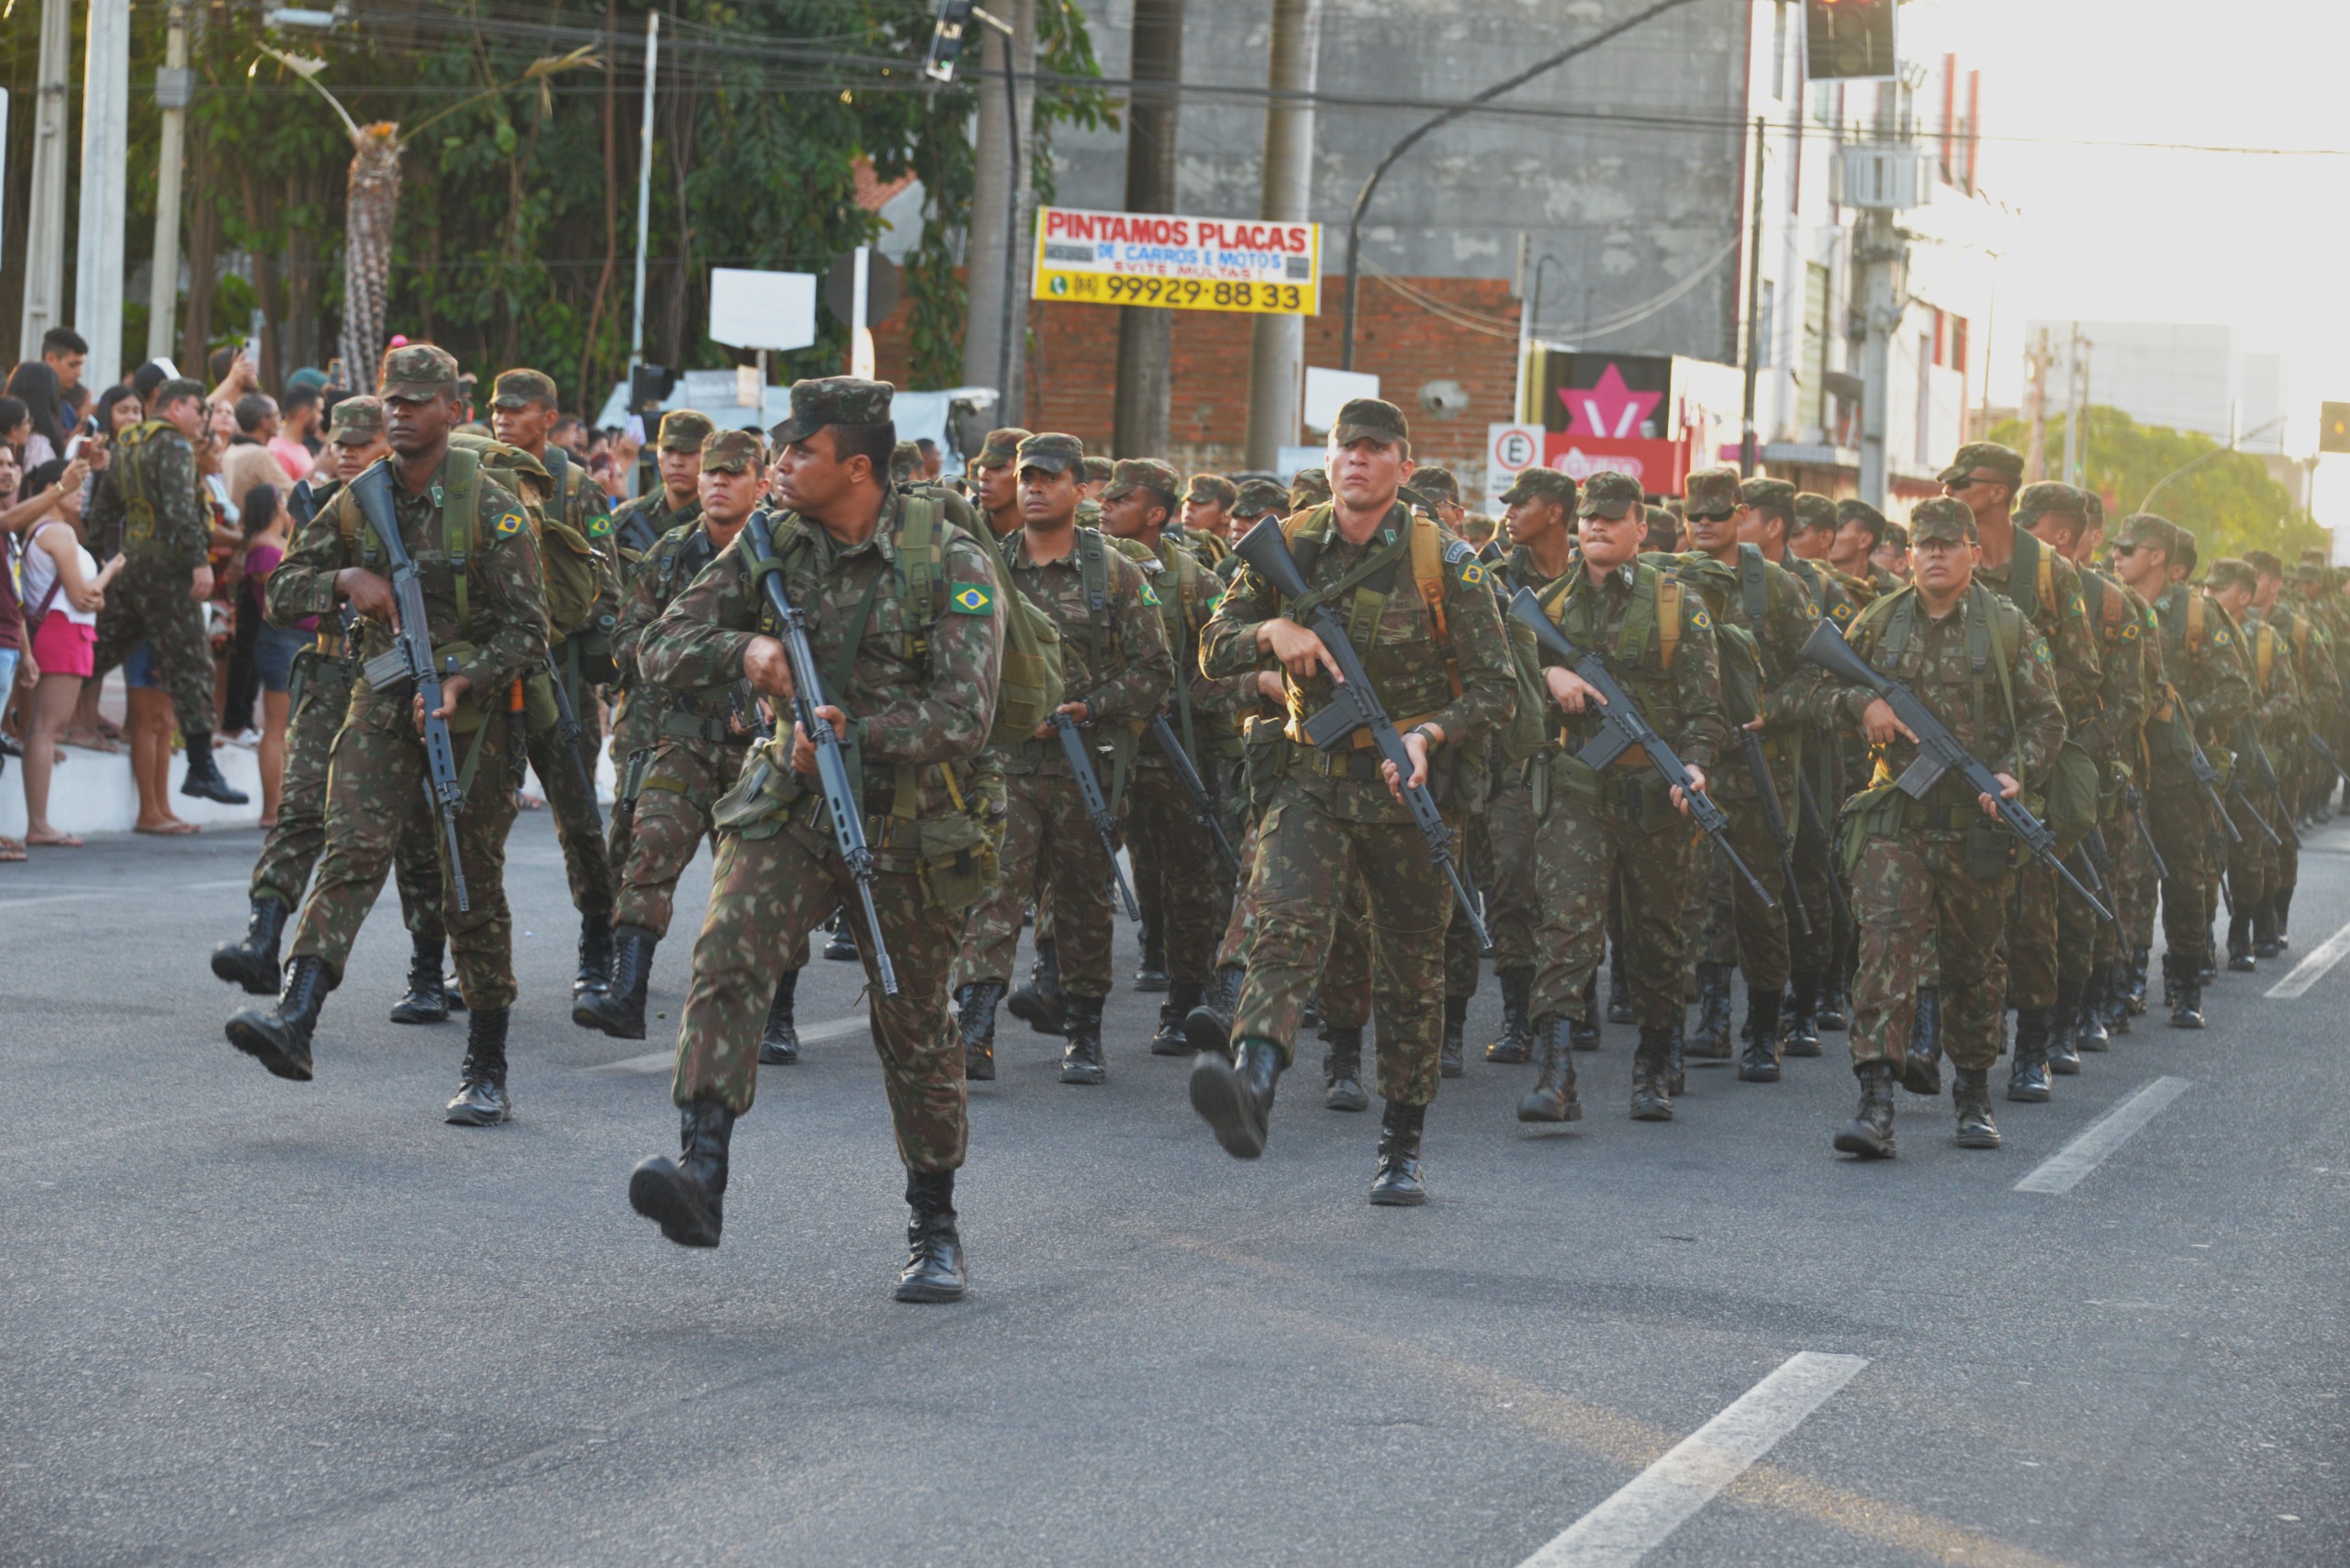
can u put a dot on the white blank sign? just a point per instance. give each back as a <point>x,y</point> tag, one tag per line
<point>1328,391</point>
<point>762,310</point>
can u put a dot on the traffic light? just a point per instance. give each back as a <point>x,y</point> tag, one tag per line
<point>1848,41</point>
<point>947,39</point>
<point>2334,427</point>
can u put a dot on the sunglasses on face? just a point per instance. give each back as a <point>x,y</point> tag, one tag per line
<point>1712,516</point>
<point>2121,550</point>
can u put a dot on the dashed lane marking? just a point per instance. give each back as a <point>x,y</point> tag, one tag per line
<point>2063,1170</point>
<point>2311,970</point>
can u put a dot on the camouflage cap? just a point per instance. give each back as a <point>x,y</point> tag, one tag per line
<point>1436,482</point>
<point>356,420</point>
<point>1142,474</point>
<point>416,371</point>
<point>1942,519</point>
<point>1814,511</point>
<point>1776,493</point>
<point>521,388</point>
<point>1710,492</point>
<point>2314,555</point>
<point>1370,418</point>
<point>1054,453</point>
<point>733,451</point>
<point>2093,506</point>
<point>905,462</point>
<point>1611,495</point>
<point>2004,461</point>
<point>1212,489</point>
<point>2145,528</point>
<point>1098,470</point>
<point>1001,447</point>
<point>1540,485</point>
<point>683,429</point>
<point>2312,572</point>
<point>2230,571</point>
<point>1852,509</point>
<point>1257,497</point>
<point>172,390</point>
<point>831,401</point>
<point>1309,486</point>
<point>2035,501</point>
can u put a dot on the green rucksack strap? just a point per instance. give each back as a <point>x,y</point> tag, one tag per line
<point>459,494</point>
<point>1639,619</point>
<point>921,554</point>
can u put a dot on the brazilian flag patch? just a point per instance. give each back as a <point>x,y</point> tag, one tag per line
<point>600,525</point>
<point>1700,620</point>
<point>2130,631</point>
<point>2040,651</point>
<point>1149,594</point>
<point>1841,614</point>
<point>1472,573</point>
<point>971,598</point>
<point>509,524</point>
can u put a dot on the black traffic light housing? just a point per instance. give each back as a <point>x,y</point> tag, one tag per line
<point>1848,41</point>
<point>946,38</point>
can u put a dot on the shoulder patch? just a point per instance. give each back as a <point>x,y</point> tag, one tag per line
<point>2220,638</point>
<point>2040,651</point>
<point>1149,594</point>
<point>600,525</point>
<point>1458,550</point>
<point>1842,613</point>
<point>1470,572</point>
<point>1810,611</point>
<point>508,523</point>
<point>2130,631</point>
<point>1699,620</point>
<point>971,598</point>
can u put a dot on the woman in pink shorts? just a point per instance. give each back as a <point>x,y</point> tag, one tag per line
<point>64,591</point>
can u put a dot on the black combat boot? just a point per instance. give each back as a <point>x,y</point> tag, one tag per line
<point>2264,944</point>
<point>2141,961</point>
<point>1619,989</point>
<point>2240,959</point>
<point>1921,1072</point>
<point>1833,1016</point>
<point>2028,1070</point>
<point>1342,1070</point>
<point>1970,1093</point>
<point>934,1270</point>
<point>2281,907</point>
<point>1081,1053</point>
<point>2113,998</point>
<point>840,943</point>
<point>975,1017</point>
<point>278,1037</point>
<point>1709,1040</point>
<point>2185,991</point>
<point>685,1197</point>
<point>1398,1183</point>
<point>1553,1099</point>
<point>1040,1003</point>
<point>618,1009</point>
<point>1152,973</point>
<point>1799,1024</point>
<point>1676,1075</point>
<point>1870,1132</point>
<point>204,779</point>
<point>480,1099</point>
<point>1651,1073</point>
<point>1209,1025</point>
<point>2206,971</point>
<point>780,1041</point>
<point>2088,1017</point>
<point>1452,1054</point>
<point>252,963</point>
<point>1173,1039</point>
<point>426,1001</point>
<point>2063,1056</point>
<point>1515,1044</point>
<point>1236,1097</point>
<point>1758,1062</point>
<point>1583,1033</point>
<point>594,954</point>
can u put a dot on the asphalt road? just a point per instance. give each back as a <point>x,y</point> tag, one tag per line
<point>249,1321</point>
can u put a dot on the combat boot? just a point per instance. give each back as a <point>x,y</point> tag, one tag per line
<point>840,942</point>
<point>2064,1057</point>
<point>1833,1016</point>
<point>1040,1003</point>
<point>594,954</point>
<point>1759,1062</point>
<point>934,1270</point>
<point>278,1037</point>
<point>2088,1011</point>
<point>480,1099</point>
<point>2280,909</point>
<point>252,962</point>
<point>204,779</point>
<point>1081,1055</point>
<point>618,1009</point>
<point>1152,974</point>
<point>1172,1040</point>
<point>2141,960</point>
<point>1342,1070</point>
<point>1870,1132</point>
<point>2240,959</point>
<point>1209,1025</point>
<point>1799,1025</point>
<point>1620,990</point>
<point>1921,1072</point>
<point>1451,1061</point>
<point>1970,1094</point>
<point>1583,1033</point>
<point>2028,1068</point>
<point>1676,1077</point>
<point>2265,943</point>
<point>1709,1041</point>
<point>780,1041</point>
<point>426,1001</point>
<point>975,1018</point>
<point>2184,992</point>
<point>1514,1044</point>
<point>1236,1097</point>
<point>1553,1099</point>
<point>1651,1065</point>
<point>685,1197</point>
<point>2113,998</point>
<point>1398,1183</point>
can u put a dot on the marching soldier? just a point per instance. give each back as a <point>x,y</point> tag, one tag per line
<point>639,525</point>
<point>2311,650</point>
<point>2256,866</point>
<point>996,474</point>
<point>1207,521</point>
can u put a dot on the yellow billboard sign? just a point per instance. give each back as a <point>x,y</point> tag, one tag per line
<point>1178,263</point>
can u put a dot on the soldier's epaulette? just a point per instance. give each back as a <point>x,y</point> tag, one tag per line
<point>1457,549</point>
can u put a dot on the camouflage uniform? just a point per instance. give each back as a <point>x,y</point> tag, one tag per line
<point>639,525</point>
<point>150,498</point>
<point>2256,866</point>
<point>636,529</point>
<point>2302,770</point>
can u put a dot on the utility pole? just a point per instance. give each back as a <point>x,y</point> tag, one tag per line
<point>2076,412</point>
<point>174,83</point>
<point>1883,255</point>
<point>1277,344</point>
<point>995,338</point>
<point>2035,405</point>
<point>45,213</point>
<point>106,148</point>
<point>1146,334</point>
<point>1748,448</point>
<point>644,183</point>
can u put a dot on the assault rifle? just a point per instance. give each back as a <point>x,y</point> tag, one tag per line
<point>2266,771</point>
<point>2136,803</point>
<point>1774,820</point>
<point>1097,806</point>
<point>567,731</point>
<point>1202,804</point>
<point>2207,778</point>
<point>1816,820</point>
<point>2325,754</point>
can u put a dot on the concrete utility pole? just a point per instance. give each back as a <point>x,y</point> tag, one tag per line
<point>2035,405</point>
<point>106,148</point>
<point>1277,344</point>
<point>1748,446</point>
<point>995,336</point>
<point>1146,335</point>
<point>644,183</point>
<point>1878,248</point>
<point>2076,408</point>
<point>173,85</point>
<point>45,212</point>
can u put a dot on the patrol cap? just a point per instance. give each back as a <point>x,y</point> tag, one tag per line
<point>2314,555</point>
<point>1001,447</point>
<point>1896,535</point>
<point>905,462</point>
<point>683,429</point>
<point>1308,487</point>
<point>1257,497</point>
<point>2093,508</point>
<point>1540,485</point>
<point>1710,492</point>
<point>414,370</point>
<point>1054,453</point>
<point>1143,474</point>
<point>2312,572</point>
<point>1370,418</point>
<point>1209,489</point>
<point>521,388</point>
<point>2145,529</point>
<point>1611,495</point>
<point>2231,572</point>
<point>1776,493</point>
<point>178,387</point>
<point>2265,563</point>
<point>1814,511</point>
<point>1098,470</point>
<point>2004,461</point>
<point>733,451</point>
<point>1941,518</point>
<point>356,420</point>
<point>2037,500</point>
<point>830,400</point>
<point>1437,484</point>
<point>1852,509</point>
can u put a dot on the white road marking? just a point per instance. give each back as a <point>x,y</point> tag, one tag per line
<point>1659,1500</point>
<point>665,1062</point>
<point>2311,970</point>
<point>2063,1170</point>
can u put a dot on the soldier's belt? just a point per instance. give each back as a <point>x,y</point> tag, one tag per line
<point>1362,741</point>
<point>687,727</point>
<point>1361,765</point>
<point>1935,816</point>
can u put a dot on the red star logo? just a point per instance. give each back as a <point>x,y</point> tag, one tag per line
<point>1610,411</point>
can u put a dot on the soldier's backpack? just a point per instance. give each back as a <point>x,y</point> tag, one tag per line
<point>567,558</point>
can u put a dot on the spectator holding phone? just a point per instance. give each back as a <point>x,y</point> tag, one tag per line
<point>63,591</point>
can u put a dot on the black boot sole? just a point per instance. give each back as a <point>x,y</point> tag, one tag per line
<point>1759,1072</point>
<point>219,794</point>
<point>1990,1139</point>
<point>249,1037</point>
<point>1169,1043</point>
<point>927,1291</point>
<point>1084,1075</point>
<point>1661,1112</point>
<point>241,968</point>
<point>2064,1066</point>
<point>2187,1020</point>
<point>1348,1096</point>
<point>1391,1197</point>
<point>1226,1107</point>
<point>659,1191</point>
<point>778,1056</point>
<point>1531,1109</point>
<point>1031,1009</point>
<point>587,1015</point>
<point>1796,1046</point>
<point>2025,1093</point>
<point>406,1012</point>
<point>461,1114</point>
<point>1152,981</point>
<point>1509,1055</point>
<point>1451,1066</point>
<point>1209,1036</point>
<point>1927,1082</point>
<point>1868,1146</point>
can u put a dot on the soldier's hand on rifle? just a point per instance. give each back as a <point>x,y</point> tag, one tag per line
<point>1570,691</point>
<point>1696,782</point>
<point>1299,650</point>
<point>767,668</point>
<point>2009,791</point>
<point>1753,725</point>
<point>453,687</point>
<point>803,750</point>
<point>1077,713</point>
<point>1878,724</point>
<point>1416,746</point>
<point>368,595</point>
<point>1269,686</point>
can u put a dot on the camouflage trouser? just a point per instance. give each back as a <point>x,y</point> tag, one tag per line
<point>1240,921</point>
<point>1512,908</point>
<point>2134,881</point>
<point>2252,865</point>
<point>1739,929</point>
<point>2288,854</point>
<point>765,896</point>
<point>1578,850</point>
<point>1343,997</point>
<point>148,604</point>
<point>1181,877</point>
<point>375,801</point>
<point>682,783</point>
<point>584,859</point>
<point>1817,951</point>
<point>1307,861</point>
<point>2032,926</point>
<point>1474,851</point>
<point>2180,817</point>
<point>1050,846</point>
<point>1906,888</point>
<point>635,725</point>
